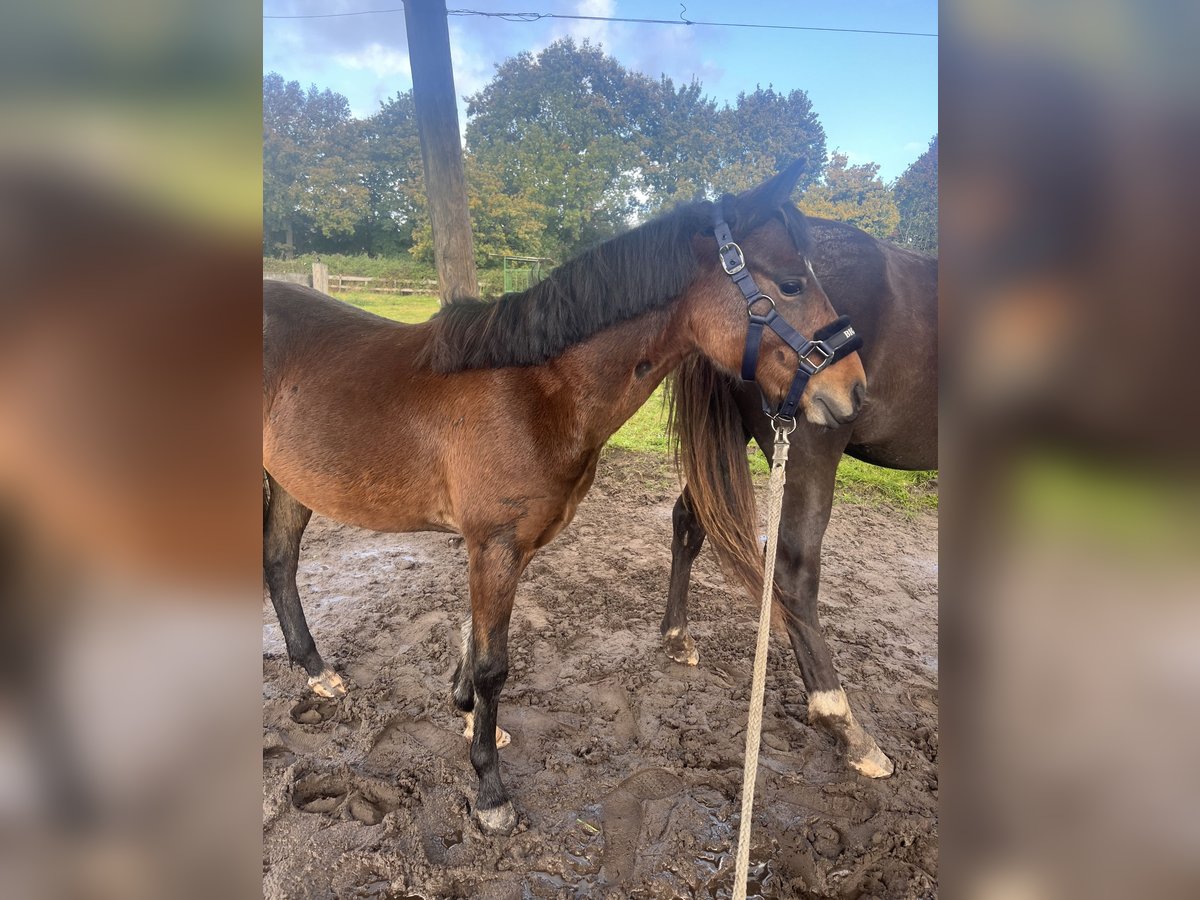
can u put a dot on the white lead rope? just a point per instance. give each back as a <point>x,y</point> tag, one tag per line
<point>758,685</point>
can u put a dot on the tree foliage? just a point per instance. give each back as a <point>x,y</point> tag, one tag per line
<point>565,148</point>
<point>853,194</point>
<point>311,165</point>
<point>563,131</point>
<point>917,199</point>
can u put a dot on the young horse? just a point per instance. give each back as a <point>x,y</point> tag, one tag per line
<point>488,420</point>
<point>891,295</point>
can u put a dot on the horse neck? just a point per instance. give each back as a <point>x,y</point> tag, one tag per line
<point>609,376</point>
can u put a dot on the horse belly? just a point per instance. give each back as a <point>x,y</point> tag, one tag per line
<point>391,484</point>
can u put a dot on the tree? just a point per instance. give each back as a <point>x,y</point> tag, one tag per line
<point>392,174</point>
<point>764,132</point>
<point>562,131</point>
<point>853,194</point>
<point>916,194</point>
<point>502,224</point>
<point>312,177</point>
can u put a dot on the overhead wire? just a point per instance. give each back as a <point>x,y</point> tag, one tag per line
<point>528,17</point>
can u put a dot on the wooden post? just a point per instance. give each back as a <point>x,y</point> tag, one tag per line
<point>321,277</point>
<point>441,146</point>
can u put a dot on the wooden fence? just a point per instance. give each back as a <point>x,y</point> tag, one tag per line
<point>320,279</point>
<point>382,285</point>
<point>489,282</point>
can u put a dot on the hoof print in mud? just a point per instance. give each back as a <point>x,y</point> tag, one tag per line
<point>312,711</point>
<point>499,820</point>
<point>339,797</point>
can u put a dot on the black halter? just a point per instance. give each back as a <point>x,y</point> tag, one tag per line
<point>829,344</point>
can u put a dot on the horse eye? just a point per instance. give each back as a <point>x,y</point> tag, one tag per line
<point>791,288</point>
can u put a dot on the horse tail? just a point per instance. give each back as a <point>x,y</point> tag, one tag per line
<point>710,450</point>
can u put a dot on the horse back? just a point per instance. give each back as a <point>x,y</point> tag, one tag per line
<point>890,294</point>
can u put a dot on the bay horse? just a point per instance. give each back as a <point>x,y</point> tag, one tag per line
<point>891,295</point>
<point>488,419</point>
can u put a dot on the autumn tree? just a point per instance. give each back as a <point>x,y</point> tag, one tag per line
<point>916,194</point>
<point>560,130</point>
<point>311,167</point>
<point>853,194</point>
<point>502,223</point>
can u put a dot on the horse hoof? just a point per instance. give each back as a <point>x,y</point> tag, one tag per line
<point>328,684</point>
<point>503,738</point>
<point>500,820</point>
<point>873,764</point>
<point>680,647</point>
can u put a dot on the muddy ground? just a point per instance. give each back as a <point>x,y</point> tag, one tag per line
<point>625,767</point>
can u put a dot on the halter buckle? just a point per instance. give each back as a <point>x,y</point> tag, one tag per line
<point>819,347</point>
<point>732,258</point>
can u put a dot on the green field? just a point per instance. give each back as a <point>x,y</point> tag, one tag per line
<point>645,432</point>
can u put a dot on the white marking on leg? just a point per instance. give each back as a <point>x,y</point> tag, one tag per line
<point>466,638</point>
<point>692,655</point>
<point>829,705</point>
<point>327,684</point>
<point>832,709</point>
<point>503,738</point>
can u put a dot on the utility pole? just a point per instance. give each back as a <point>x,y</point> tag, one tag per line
<point>441,146</point>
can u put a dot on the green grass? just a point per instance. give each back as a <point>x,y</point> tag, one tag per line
<point>860,482</point>
<point>857,482</point>
<point>410,309</point>
<point>646,431</point>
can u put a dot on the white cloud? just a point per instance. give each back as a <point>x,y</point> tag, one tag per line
<point>596,32</point>
<point>376,58</point>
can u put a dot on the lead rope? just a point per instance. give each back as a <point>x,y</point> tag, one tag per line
<point>759,682</point>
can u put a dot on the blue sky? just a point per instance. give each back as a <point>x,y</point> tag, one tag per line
<point>876,95</point>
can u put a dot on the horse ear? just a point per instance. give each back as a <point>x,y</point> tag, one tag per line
<point>775,191</point>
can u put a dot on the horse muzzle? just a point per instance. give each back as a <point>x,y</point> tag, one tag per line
<point>834,408</point>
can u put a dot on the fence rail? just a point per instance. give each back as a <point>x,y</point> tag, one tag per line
<point>383,285</point>
<point>343,283</point>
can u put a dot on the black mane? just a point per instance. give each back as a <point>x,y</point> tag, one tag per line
<point>633,273</point>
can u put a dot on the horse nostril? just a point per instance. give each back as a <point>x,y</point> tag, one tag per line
<point>859,395</point>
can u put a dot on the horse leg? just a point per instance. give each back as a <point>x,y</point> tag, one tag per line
<point>495,567</point>
<point>284,524</point>
<point>806,508</point>
<point>686,539</point>
<point>462,690</point>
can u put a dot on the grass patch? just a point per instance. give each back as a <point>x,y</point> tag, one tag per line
<point>411,309</point>
<point>646,430</point>
<point>860,482</point>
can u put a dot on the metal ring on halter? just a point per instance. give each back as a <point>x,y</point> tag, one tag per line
<point>781,430</point>
<point>750,305</point>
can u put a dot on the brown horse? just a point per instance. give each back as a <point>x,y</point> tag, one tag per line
<point>891,295</point>
<point>488,420</point>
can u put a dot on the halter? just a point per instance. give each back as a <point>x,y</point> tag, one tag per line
<point>829,344</point>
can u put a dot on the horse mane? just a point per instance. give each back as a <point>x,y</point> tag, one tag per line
<point>641,270</point>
